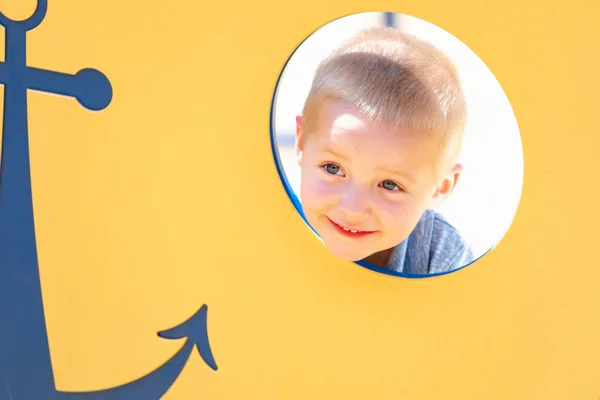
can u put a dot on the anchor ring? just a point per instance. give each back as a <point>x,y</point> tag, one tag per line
<point>30,23</point>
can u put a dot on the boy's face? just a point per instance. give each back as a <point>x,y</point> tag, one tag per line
<point>364,187</point>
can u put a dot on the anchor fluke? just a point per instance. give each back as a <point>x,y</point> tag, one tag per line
<point>194,329</point>
<point>154,385</point>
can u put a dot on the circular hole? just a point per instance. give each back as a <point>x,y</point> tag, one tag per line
<point>372,150</point>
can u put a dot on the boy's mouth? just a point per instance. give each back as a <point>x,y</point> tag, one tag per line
<point>349,231</point>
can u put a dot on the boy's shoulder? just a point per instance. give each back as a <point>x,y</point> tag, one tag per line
<point>449,250</point>
<point>434,246</point>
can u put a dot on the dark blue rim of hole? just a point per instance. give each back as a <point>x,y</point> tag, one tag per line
<point>296,201</point>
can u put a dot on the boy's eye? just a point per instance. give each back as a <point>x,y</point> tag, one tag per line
<point>332,168</point>
<point>389,185</point>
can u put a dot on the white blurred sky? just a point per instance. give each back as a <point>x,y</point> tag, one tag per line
<point>485,201</point>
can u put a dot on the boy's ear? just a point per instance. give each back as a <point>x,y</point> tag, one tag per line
<point>299,138</point>
<point>446,187</point>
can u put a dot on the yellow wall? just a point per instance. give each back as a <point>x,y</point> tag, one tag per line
<point>169,199</point>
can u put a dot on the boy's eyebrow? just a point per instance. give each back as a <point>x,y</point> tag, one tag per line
<point>335,153</point>
<point>393,171</point>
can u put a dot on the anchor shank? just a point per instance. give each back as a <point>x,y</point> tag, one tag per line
<point>15,48</point>
<point>25,367</point>
<point>3,73</point>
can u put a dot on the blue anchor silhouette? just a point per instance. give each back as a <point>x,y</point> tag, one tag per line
<point>25,364</point>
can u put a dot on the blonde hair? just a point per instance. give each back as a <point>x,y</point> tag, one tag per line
<point>394,79</point>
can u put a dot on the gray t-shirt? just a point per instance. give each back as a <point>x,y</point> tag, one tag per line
<point>433,247</point>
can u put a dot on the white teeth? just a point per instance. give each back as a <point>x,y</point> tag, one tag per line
<point>349,230</point>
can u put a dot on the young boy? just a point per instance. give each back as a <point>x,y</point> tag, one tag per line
<point>378,143</point>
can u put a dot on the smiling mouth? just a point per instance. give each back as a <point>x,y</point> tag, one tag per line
<point>348,231</point>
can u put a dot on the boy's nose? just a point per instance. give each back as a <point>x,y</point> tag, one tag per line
<point>354,204</point>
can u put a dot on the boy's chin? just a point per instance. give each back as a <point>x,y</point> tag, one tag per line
<point>347,255</point>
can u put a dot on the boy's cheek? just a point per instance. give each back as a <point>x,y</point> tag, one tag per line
<point>391,211</point>
<point>317,193</point>
<point>323,191</point>
<point>400,215</point>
